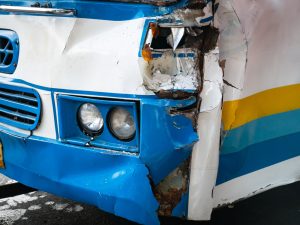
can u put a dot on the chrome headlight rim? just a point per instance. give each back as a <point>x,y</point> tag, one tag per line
<point>83,128</point>
<point>111,130</point>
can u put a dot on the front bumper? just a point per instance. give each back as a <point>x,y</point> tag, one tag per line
<point>116,183</point>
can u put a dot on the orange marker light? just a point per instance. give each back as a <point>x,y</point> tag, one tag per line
<point>154,29</point>
<point>146,53</point>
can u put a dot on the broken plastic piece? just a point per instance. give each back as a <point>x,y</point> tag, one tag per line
<point>177,35</point>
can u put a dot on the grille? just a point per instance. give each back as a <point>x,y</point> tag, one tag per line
<point>9,51</point>
<point>6,54</point>
<point>19,107</point>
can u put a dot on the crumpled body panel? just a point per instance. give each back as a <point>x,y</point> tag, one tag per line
<point>115,183</point>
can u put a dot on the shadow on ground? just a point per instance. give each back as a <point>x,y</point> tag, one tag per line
<point>280,206</point>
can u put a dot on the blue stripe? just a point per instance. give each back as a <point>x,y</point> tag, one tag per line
<point>260,130</point>
<point>114,11</point>
<point>205,20</point>
<point>258,156</point>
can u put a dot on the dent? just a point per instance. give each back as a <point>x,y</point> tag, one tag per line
<point>233,56</point>
<point>179,60</point>
<point>171,190</point>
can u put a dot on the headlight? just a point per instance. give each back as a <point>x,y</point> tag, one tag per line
<point>121,124</point>
<point>90,119</point>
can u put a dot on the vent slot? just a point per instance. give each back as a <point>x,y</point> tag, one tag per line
<point>19,107</point>
<point>9,51</point>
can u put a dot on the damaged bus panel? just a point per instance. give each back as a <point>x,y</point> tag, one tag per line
<point>150,108</point>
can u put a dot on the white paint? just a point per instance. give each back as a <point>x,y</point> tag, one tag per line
<point>95,55</point>
<point>47,125</point>
<point>273,43</point>
<point>205,156</point>
<point>246,186</point>
<point>213,82</point>
<point>204,165</point>
<point>264,34</point>
<point>260,43</point>
<point>233,49</point>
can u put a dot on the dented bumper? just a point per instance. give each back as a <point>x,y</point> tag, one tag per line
<point>115,181</point>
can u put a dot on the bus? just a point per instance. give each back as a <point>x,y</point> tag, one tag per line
<point>148,108</point>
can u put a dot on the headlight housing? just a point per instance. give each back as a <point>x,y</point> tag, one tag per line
<point>121,124</point>
<point>90,119</point>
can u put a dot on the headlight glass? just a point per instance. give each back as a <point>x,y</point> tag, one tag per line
<point>121,124</point>
<point>90,119</point>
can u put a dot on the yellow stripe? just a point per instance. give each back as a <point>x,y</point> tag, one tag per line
<point>239,112</point>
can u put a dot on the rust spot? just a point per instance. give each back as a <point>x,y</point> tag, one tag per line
<point>1,157</point>
<point>178,94</point>
<point>170,191</point>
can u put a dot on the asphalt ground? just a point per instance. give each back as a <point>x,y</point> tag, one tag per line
<point>280,206</point>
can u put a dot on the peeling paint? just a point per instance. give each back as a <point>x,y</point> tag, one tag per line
<point>170,191</point>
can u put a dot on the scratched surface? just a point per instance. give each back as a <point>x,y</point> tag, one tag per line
<point>280,206</point>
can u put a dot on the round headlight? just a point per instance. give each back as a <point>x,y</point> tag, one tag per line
<point>121,124</point>
<point>90,119</point>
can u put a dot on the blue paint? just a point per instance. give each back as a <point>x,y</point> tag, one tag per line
<point>154,115</point>
<point>115,183</point>
<point>11,49</point>
<point>262,129</point>
<point>208,19</point>
<point>70,131</point>
<point>182,207</point>
<point>165,140</point>
<point>258,156</point>
<point>113,11</point>
<point>18,108</point>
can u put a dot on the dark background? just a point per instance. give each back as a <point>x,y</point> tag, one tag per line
<point>280,206</point>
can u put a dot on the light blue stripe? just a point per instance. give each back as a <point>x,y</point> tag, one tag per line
<point>260,130</point>
<point>258,156</point>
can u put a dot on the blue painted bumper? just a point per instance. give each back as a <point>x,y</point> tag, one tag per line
<point>113,182</point>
